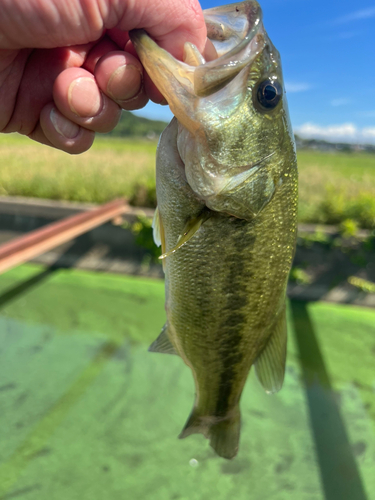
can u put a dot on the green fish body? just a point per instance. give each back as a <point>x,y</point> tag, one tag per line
<point>226,179</point>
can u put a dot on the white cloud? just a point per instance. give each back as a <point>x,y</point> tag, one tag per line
<point>355,16</point>
<point>345,132</point>
<point>340,102</point>
<point>369,132</point>
<point>292,87</point>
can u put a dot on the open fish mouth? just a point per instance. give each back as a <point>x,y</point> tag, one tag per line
<point>219,106</point>
<point>237,33</point>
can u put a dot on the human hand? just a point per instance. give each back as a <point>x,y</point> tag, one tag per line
<point>67,68</point>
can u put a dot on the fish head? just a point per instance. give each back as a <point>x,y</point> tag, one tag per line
<point>234,135</point>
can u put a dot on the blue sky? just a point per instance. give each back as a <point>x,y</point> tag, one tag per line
<point>328,55</point>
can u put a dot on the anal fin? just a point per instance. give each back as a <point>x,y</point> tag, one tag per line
<point>162,343</point>
<point>270,365</point>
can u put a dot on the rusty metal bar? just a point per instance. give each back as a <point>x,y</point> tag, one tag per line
<point>24,248</point>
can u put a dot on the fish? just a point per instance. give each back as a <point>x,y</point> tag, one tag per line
<point>227,190</point>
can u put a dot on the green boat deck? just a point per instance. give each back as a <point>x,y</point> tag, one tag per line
<point>87,413</point>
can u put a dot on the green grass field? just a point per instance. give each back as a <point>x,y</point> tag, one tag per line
<point>333,187</point>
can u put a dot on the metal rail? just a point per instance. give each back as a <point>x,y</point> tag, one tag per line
<point>24,248</point>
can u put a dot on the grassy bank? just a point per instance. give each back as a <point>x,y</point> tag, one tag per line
<point>336,187</point>
<point>333,187</point>
<point>113,167</point>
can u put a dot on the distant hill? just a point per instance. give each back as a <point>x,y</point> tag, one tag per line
<point>131,125</point>
<point>136,126</point>
<point>320,145</point>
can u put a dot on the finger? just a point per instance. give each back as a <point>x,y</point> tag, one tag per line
<point>120,76</point>
<point>99,50</point>
<point>35,89</point>
<point>57,131</point>
<point>168,22</point>
<point>119,37</point>
<point>78,97</point>
<point>152,91</point>
<point>150,88</point>
<point>209,52</point>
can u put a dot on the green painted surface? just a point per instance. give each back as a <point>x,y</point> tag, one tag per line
<point>87,413</point>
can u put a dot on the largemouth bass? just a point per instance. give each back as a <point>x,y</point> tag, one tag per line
<point>226,180</point>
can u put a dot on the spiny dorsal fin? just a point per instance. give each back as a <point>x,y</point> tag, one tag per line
<point>190,229</point>
<point>270,365</point>
<point>162,343</point>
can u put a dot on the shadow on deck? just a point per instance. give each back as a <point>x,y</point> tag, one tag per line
<point>338,469</point>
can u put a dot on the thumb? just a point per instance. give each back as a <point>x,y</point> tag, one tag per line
<point>52,23</point>
<point>170,23</point>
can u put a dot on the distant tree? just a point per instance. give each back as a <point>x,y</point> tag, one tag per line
<point>137,126</point>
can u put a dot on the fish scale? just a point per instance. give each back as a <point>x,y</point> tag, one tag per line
<point>226,219</point>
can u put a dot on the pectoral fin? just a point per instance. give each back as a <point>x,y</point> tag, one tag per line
<point>158,232</point>
<point>162,343</point>
<point>270,365</point>
<point>190,229</point>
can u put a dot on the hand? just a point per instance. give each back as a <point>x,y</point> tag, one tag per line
<point>67,68</point>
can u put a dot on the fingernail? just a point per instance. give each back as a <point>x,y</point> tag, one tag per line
<point>84,97</point>
<point>63,126</point>
<point>125,83</point>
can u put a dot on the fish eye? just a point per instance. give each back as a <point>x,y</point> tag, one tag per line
<point>269,94</point>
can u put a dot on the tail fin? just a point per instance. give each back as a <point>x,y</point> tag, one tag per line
<point>223,432</point>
